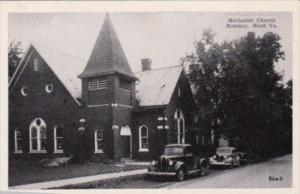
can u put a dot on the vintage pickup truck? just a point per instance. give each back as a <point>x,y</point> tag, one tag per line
<point>179,160</point>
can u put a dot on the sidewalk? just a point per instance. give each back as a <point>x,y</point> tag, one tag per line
<point>79,180</point>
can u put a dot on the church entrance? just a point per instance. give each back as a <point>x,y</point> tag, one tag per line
<point>126,137</point>
<point>126,146</point>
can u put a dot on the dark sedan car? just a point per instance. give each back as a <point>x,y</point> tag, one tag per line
<point>178,160</point>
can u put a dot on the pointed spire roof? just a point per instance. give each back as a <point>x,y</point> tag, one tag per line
<point>107,56</point>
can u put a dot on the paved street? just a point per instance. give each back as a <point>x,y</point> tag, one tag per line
<point>255,176</point>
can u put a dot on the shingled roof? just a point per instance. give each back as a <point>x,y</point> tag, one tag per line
<point>107,56</point>
<point>157,85</point>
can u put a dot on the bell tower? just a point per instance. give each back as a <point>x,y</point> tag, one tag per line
<point>108,88</point>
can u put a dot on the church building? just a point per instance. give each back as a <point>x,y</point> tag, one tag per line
<point>62,105</point>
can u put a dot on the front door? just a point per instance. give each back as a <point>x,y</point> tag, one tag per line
<point>126,146</point>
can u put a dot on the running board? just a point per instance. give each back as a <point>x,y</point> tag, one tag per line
<point>193,171</point>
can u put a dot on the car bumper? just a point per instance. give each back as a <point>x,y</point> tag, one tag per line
<point>215,163</point>
<point>161,173</point>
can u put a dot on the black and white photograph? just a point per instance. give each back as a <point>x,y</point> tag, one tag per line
<point>150,100</point>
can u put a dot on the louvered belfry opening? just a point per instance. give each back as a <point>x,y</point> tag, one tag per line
<point>107,70</point>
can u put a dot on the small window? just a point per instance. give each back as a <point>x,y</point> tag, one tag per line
<point>58,140</point>
<point>98,136</point>
<point>197,139</point>
<point>143,139</point>
<point>98,84</point>
<point>18,141</point>
<point>49,88</point>
<point>36,65</point>
<point>125,84</point>
<point>189,150</point>
<point>24,91</point>
<point>203,140</point>
<point>179,92</point>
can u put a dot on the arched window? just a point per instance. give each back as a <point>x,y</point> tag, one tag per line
<point>58,139</point>
<point>37,135</point>
<point>18,141</point>
<point>143,139</point>
<point>98,136</point>
<point>180,125</point>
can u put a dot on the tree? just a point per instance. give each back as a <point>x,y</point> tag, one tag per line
<point>238,92</point>
<point>14,56</point>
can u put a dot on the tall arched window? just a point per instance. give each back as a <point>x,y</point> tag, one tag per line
<point>98,136</point>
<point>58,139</point>
<point>18,141</point>
<point>180,125</point>
<point>37,135</point>
<point>143,139</point>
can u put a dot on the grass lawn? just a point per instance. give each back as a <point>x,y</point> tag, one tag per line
<point>26,172</point>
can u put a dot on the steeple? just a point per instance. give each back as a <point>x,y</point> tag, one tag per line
<point>107,56</point>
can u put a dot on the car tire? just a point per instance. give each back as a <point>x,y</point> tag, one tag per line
<point>231,165</point>
<point>203,171</point>
<point>180,175</point>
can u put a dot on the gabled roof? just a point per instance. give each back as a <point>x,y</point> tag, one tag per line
<point>156,86</point>
<point>107,56</point>
<point>64,66</point>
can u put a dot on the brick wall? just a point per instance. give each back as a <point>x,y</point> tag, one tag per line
<point>184,102</point>
<point>156,138</point>
<point>56,108</point>
<point>149,117</point>
<point>111,113</point>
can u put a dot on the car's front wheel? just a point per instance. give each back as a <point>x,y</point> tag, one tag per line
<point>231,164</point>
<point>180,174</point>
<point>204,169</point>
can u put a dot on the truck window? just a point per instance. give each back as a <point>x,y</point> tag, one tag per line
<point>189,150</point>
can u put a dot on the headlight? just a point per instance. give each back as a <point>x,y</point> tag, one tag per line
<point>228,159</point>
<point>214,157</point>
<point>171,162</point>
<point>153,163</point>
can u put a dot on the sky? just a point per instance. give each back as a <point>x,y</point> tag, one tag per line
<point>165,37</point>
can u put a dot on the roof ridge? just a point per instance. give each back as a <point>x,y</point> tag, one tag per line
<point>160,68</point>
<point>56,50</point>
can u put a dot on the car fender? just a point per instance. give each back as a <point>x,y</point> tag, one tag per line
<point>203,161</point>
<point>179,164</point>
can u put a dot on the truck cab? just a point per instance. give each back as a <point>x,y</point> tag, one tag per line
<point>178,160</point>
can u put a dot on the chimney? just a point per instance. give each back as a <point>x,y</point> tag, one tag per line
<point>146,64</point>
